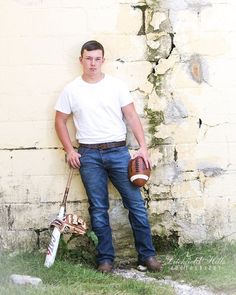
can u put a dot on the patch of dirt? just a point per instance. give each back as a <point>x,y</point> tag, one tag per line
<point>180,288</point>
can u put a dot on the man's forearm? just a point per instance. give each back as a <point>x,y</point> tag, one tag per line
<point>63,135</point>
<point>134,123</point>
<point>137,129</point>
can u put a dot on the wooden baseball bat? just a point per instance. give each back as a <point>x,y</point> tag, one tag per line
<point>53,245</point>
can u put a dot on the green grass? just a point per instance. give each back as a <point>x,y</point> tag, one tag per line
<point>67,278</point>
<point>213,265</point>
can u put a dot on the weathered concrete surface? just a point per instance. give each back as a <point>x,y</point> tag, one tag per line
<point>179,65</point>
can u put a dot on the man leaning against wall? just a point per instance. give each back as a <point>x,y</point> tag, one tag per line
<point>99,104</point>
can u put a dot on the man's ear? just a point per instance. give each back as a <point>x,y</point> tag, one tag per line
<point>80,59</point>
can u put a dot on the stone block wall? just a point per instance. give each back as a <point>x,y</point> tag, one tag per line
<point>177,58</point>
<point>192,185</point>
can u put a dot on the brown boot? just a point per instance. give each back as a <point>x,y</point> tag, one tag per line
<point>105,267</point>
<point>152,264</point>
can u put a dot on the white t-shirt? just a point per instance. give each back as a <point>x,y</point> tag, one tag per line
<point>96,108</point>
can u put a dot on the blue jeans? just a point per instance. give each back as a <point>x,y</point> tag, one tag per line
<point>97,166</point>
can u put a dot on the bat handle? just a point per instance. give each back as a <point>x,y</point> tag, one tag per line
<point>67,187</point>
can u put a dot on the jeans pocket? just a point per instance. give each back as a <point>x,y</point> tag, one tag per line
<point>82,151</point>
<point>124,153</point>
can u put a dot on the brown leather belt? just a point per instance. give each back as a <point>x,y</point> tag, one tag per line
<point>104,146</point>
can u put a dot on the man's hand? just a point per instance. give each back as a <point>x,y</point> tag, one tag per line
<point>73,159</point>
<point>143,152</point>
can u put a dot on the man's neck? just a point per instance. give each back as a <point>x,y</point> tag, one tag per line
<point>93,79</point>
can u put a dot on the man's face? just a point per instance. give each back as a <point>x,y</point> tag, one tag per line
<point>91,62</point>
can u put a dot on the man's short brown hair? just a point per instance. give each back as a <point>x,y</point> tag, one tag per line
<point>92,45</point>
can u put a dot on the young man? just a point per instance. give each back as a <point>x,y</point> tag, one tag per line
<point>99,103</point>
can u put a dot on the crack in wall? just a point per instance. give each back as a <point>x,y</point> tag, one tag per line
<point>172,43</point>
<point>38,232</point>
<point>160,46</point>
<point>10,218</point>
<point>175,155</point>
<point>199,123</point>
<point>30,148</point>
<point>142,30</point>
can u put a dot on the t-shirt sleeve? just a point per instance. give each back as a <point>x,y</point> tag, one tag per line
<point>125,95</point>
<point>63,103</point>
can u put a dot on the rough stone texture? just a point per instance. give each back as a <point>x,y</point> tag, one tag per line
<point>197,124</point>
<point>179,65</point>
<point>25,280</point>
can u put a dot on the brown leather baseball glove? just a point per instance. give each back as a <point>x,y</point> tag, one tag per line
<point>70,224</point>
